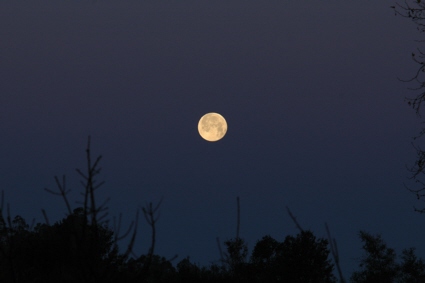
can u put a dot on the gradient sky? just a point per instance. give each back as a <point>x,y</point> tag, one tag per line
<point>317,118</point>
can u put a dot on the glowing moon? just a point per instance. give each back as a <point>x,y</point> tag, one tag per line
<point>212,127</point>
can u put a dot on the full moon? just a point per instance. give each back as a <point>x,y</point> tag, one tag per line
<point>212,127</point>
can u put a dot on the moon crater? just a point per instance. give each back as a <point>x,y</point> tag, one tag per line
<point>212,127</point>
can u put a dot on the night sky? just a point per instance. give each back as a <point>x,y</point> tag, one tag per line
<point>317,117</point>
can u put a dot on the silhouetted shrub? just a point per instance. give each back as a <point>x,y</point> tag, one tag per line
<point>379,264</point>
<point>68,251</point>
<point>302,258</point>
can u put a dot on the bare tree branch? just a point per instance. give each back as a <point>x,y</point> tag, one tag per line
<point>238,218</point>
<point>294,219</point>
<point>149,213</point>
<point>415,10</point>
<point>133,237</point>
<point>220,250</point>
<point>46,219</point>
<point>334,250</point>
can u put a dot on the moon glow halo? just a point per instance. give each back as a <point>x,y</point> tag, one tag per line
<point>212,127</point>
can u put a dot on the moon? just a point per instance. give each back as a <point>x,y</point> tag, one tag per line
<point>212,127</point>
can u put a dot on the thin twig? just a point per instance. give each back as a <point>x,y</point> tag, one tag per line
<point>45,217</point>
<point>238,218</point>
<point>133,237</point>
<point>334,251</point>
<point>220,250</point>
<point>294,219</point>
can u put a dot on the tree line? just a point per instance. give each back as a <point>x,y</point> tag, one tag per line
<point>74,250</point>
<point>83,247</point>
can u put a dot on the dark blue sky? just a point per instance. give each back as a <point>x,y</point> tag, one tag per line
<point>317,118</point>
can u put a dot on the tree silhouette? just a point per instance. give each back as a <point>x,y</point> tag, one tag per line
<point>235,259</point>
<point>304,258</point>
<point>300,258</point>
<point>79,248</point>
<point>188,272</point>
<point>53,253</point>
<point>412,268</point>
<point>265,259</point>
<point>379,264</point>
<point>82,247</point>
<point>415,11</point>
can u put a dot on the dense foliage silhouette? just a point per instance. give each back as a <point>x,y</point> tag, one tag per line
<point>69,251</point>
<point>300,258</point>
<point>379,264</point>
